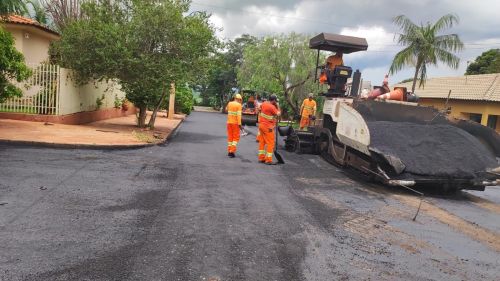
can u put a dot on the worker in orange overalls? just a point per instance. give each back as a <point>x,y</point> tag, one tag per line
<point>258,102</point>
<point>307,111</point>
<point>331,63</point>
<point>233,125</point>
<point>269,112</point>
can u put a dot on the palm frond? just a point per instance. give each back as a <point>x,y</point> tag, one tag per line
<point>445,22</point>
<point>450,42</point>
<point>447,58</point>
<point>12,7</point>
<point>406,25</point>
<point>408,39</point>
<point>429,55</point>
<point>404,57</point>
<point>39,12</point>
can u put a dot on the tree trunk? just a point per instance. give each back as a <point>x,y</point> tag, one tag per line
<point>289,101</point>
<point>152,120</point>
<point>141,120</point>
<point>288,97</point>
<point>417,68</point>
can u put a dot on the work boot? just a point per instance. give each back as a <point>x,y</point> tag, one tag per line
<point>271,163</point>
<point>262,161</point>
<point>231,155</point>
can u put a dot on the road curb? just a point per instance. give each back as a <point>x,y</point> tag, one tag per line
<point>172,134</point>
<point>91,146</point>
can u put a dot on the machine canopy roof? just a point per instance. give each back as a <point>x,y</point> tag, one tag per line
<point>338,43</point>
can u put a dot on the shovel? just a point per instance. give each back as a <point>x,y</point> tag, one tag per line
<point>276,153</point>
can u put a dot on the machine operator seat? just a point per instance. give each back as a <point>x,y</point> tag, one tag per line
<point>337,80</point>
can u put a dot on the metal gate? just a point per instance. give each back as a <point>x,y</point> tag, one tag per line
<point>40,92</point>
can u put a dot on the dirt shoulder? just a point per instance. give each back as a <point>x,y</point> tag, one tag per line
<point>113,133</point>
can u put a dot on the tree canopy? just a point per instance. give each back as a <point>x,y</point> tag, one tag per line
<point>281,64</point>
<point>12,65</point>
<point>487,62</point>
<point>12,7</point>
<point>38,12</point>
<point>220,75</point>
<point>144,44</point>
<point>424,46</point>
<point>62,12</point>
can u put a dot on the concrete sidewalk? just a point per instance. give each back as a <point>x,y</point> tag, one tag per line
<point>111,133</point>
<point>205,109</point>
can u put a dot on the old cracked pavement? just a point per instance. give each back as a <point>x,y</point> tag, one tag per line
<point>185,211</point>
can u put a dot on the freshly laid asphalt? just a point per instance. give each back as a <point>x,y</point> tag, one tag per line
<point>185,211</point>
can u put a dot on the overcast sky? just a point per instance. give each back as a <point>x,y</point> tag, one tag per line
<point>479,26</point>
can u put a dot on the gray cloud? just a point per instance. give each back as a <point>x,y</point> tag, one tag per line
<point>479,21</point>
<point>237,4</point>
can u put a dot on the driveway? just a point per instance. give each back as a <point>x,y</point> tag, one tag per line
<point>185,211</point>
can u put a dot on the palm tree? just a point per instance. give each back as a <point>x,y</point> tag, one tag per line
<point>425,47</point>
<point>39,13</point>
<point>12,7</point>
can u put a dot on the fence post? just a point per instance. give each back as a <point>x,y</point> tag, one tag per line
<point>171,102</point>
<point>58,89</point>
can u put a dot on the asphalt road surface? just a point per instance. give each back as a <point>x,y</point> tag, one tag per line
<point>185,211</point>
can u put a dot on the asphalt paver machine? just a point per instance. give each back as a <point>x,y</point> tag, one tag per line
<point>249,111</point>
<point>393,142</point>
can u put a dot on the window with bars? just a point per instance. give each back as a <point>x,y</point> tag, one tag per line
<point>475,117</point>
<point>492,121</point>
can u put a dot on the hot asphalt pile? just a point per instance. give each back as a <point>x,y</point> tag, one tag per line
<point>431,149</point>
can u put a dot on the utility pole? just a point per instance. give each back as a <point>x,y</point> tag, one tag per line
<point>171,101</point>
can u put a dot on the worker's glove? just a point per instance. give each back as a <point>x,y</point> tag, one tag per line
<point>312,117</point>
<point>270,130</point>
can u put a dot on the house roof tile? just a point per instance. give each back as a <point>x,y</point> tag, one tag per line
<point>16,19</point>
<point>484,87</point>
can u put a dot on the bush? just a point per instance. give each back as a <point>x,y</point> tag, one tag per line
<point>184,100</point>
<point>12,67</point>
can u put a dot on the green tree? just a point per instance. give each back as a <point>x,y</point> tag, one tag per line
<point>63,12</point>
<point>220,75</point>
<point>12,67</point>
<point>184,100</point>
<point>425,47</point>
<point>280,64</point>
<point>12,7</point>
<point>144,44</point>
<point>216,81</point>
<point>39,14</point>
<point>487,62</point>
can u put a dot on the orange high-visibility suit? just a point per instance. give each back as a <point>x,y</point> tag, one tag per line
<point>267,124</point>
<point>233,125</point>
<point>257,110</point>
<point>331,63</point>
<point>307,109</point>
